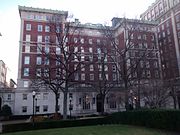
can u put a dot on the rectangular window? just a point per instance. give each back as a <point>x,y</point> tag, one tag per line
<point>82,40</point>
<point>75,49</point>
<point>46,49</point>
<point>46,61</point>
<point>26,60</point>
<point>82,67</point>
<point>47,39</point>
<point>98,41</point>
<point>40,28</point>
<point>38,72</point>
<point>24,109</point>
<point>26,84</point>
<point>28,27</point>
<point>9,97</point>
<point>28,38</point>
<point>90,49</point>
<point>47,29</point>
<point>91,67</point>
<point>114,76</point>
<point>75,40</point>
<point>90,41</point>
<point>114,68</point>
<point>76,76</point>
<point>37,108</point>
<point>39,38</point>
<point>46,72</point>
<point>58,50</point>
<point>45,96</point>
<point>39,48</point>
<point>26,71</point>
<point>38,60</point>
<point>91,77</point>
<point>27,49</point>
<point>24,96</point>
<point>83,77</point>
<point>45,108</point>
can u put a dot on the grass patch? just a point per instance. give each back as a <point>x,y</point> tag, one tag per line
<point>94,130</point>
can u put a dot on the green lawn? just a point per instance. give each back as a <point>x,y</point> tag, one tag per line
<point>94,130</point>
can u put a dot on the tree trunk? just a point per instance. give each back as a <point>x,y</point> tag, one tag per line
<point>56,103</point>
<point>138,105</point>
<point>102,104</point>
<point>65,104</point>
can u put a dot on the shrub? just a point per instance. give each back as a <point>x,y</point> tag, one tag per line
<point>161,119</point>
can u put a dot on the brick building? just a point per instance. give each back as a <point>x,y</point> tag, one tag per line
<point>88,47</point>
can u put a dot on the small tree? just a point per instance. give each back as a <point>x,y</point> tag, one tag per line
<point>6,111</point>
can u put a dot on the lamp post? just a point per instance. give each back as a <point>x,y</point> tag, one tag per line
<point>70,106</point>
<point>33,95</point>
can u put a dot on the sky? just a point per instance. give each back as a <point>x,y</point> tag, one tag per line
<point>87,11</point>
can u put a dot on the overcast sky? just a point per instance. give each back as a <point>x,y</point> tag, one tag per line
<point>87,11</point>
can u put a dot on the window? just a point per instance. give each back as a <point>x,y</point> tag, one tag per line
<point>90,49</point>
<point>75,49</point>
<point>147,64</point>
<point>82,49</point>
<point>177,18</point>
<point>105,68</point>
<point>178,26</point>
<point>47,29</point>
<point>40,28</point>
<point>26,71</point>
<point>100,76</point>
<point>82,40</point>
<point>114,76</point>
<point>99,50</point>
<point>155,64</point>
<point>39,48</point>
<point>82,67</point>
<point>27,49</point>
<point>139,36</point>
<point>90,41</point>
<point>46,49</point>
<point>58,29</point>
<point>46,72</point>
<point>152,37</point>
<point>26,84</point>
<point>24,96</point>
<point>162,26</point>
<point>107,77</point>
<point>28,38</point>
<point>45,96</point>
<point>148,73</point>
<point>38,60</point>
<point>9,97</point>
<point>91,77</point>
<point>114,68</point>
<point>28,27</point>
<point>47,39</point>
<point>82,77</point>
<point>37,109</point>
<point>91,67</point>
<point>75,40</point>
<point>144,37</point>
<point>98,41</point>
<point>45,108</point>
<point>58,50</point>
<point>76,76</point>
<point>24,109</point>
<point>82,58</point>
<point>26,60</point>
<point>39,38</point>
<point>100,67</point>
<point>91,58</point>
<point>38,72</point>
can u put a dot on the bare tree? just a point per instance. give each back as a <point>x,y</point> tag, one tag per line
<point>155,95</point>
<point>59,54</point>
<point>126,52</point>
<point>103,84</point>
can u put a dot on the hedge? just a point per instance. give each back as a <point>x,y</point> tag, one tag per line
<point>160,119</point>
<point>52,124</point>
